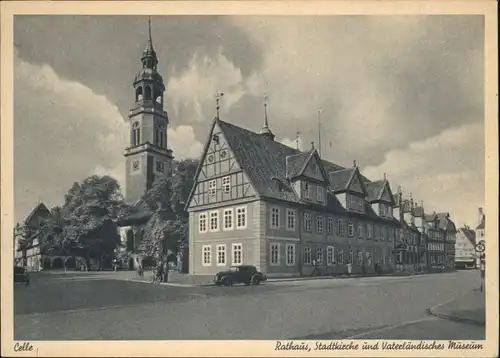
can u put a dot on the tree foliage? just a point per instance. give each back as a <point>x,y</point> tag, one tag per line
<point>168,226</point>
<point>88,206</point>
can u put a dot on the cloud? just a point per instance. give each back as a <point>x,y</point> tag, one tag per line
<point>65,132</point>
<point>183,140</point>
<point>380,81</point>
<point>292,143</point>
<point>192,92</point>
<point>446,171</point>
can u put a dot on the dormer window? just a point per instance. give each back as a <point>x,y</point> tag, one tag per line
<point>307,190</point>
<point>382,210</point>
<point>320,194</point>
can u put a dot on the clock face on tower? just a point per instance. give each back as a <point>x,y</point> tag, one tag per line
<point>135,165</point>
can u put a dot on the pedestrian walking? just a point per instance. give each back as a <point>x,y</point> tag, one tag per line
<point>482,269</point>
<point>349,268</point>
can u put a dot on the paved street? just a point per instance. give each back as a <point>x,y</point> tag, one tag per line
<point>70,307</point>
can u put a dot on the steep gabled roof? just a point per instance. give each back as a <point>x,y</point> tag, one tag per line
<point>295,164</point>
<point>39,207</point>
<point>375,190</point>
<point>265,161</point>
<point>339,180</point>
<point>469,234</point>
<point>444,221</point>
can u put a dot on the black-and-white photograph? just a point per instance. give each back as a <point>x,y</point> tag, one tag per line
<point>249,177</point>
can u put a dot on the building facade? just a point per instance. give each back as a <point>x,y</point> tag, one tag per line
<point>147,156</point>
<point>256,201</point>
<point>465,253</point>
<point>27,252</point>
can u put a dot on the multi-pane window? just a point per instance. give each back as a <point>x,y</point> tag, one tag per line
<point>382,209</point>
<point>241,217</point>
<point>237,254</point>
<point>329,226</point>
<point>354,203</point>
<point>202,222</point>
<point>330,255</point>
<point>221,255</point>
<point>392,234</point>
<point>275,253</point>
<point>290,254</point>
<point>320,194</point>
<point>350,229</point>
<point>214,221</point>
<point>207,255</point>
<point>275,218</point>
<point>370,230</point>
<point>290,219</point>
<point>307,222</point>
<point>319,224</point>
<point>228,219</point>
<point>160,166</point>
<point>376,233</point>
<point>341,256</point>
<point>340,227</point>
<point>382,235</point>
<point>212,187</point>
<point>319,255</point>
<point>351,256</point>
<point>226,184</point>
<point>360,230</point>
<point>307,255</point>
<point>307,190</point>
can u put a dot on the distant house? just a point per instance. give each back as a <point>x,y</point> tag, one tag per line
<point>26,242</point>
<point>480,229</point>
<point>465,253</point>
<point>256,201</point>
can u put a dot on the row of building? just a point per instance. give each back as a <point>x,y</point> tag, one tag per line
<point>256,201</point>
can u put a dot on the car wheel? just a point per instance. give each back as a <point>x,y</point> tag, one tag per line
<point>228,282</point>
<point>256,280</point>
<point>248,282</point>
<point>217,284</point>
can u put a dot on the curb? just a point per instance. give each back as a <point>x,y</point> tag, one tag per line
<point>432,311</point>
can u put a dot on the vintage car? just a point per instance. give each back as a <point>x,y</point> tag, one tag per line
<point>20,275</point>
<point>246,274</point>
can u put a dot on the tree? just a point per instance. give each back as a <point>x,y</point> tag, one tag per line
<point>168,225</point>
<point>84,219</point>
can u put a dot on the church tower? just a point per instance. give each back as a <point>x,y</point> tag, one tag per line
<point>147,156</point>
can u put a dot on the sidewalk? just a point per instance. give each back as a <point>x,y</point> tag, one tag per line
<point>468,308</point>
<point>182,279</point>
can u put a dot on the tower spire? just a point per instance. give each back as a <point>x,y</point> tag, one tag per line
<point>149,59</point>
<point>150,43</point>
<point>265,131</point>
<point>218,96</point>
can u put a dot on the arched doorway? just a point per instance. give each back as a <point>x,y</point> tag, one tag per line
<point>46,263</point>
<point>57,263</point>
<point>70,263</point>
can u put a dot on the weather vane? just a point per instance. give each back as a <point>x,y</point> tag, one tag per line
<point>266,99</point>
<point>218,96</point>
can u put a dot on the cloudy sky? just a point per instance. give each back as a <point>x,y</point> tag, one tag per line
<point>398,94</point>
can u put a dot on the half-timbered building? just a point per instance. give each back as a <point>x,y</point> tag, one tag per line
<point>256,201</point>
